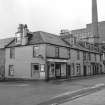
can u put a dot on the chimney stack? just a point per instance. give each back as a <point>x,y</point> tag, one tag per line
<point>21,34</point>
<point>95,22</point>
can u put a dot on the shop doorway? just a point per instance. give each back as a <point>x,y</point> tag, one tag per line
<point>68,71</point>
<point>58,70</point>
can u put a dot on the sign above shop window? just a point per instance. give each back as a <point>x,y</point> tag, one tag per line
<point>56,60</point>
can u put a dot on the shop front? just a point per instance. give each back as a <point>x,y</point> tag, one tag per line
<point>57,69</point>
<point>96,68</point>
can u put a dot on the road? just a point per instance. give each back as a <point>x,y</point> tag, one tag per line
<point>97,98</point>
<point>32,93</point>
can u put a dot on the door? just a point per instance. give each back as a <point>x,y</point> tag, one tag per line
<point>35,71</point>
<point>52,70</point>
<point>85,71</point>
<point>68,71</point>
<point>58,70</point>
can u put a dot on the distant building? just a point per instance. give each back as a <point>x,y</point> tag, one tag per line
<point>85,34</point>
<point>94,32</point>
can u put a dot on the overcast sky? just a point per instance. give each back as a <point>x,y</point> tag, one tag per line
<point>46,15</point>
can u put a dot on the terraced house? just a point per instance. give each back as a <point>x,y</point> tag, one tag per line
<point>3,43</point>
<point>86,59</point>
<point>41,55</point>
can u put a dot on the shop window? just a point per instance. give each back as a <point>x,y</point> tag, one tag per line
<point>12,52</point>
<point>35,51</point>
<point>11,70</point>
<point>57,51</point>
<point>52,70</point>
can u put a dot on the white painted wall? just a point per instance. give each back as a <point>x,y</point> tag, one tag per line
<point>23,60</point>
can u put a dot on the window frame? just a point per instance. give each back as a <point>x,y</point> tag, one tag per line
<point>89,55</point>
<point>69,53</point>
<point>78,55</point>
<point>100,57</point>
<point>35,71</point>
<point>34,52</point>
<point>95,55</point>
<point>78,68</point>
<point>57,51</point>
<point>12,53</point>
<point>84,55</point>
<point>9,72</point>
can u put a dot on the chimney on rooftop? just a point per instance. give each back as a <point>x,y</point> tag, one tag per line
<point>21,35</point>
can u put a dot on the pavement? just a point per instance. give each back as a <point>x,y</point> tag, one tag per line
<point>97,98</point>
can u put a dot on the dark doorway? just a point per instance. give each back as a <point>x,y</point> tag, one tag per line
<point>58,70</point>
<point>85,70</point>
<point>94,70</point>
<point>68,71</point>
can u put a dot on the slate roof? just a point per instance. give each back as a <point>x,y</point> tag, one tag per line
<point>40,37</point>
<point>4,42</point>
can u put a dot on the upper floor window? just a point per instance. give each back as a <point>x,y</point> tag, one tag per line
<point>78,55</point>
<point>69,55</point>
<point>95,57</point>
<point>89,56</point>
<point>12,52</point>
<point>84,55</point>
<point>35,51</point>
<point>57,51</point>
<point>100,57</point>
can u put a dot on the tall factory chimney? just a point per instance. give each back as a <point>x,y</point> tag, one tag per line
<point>95,22</point>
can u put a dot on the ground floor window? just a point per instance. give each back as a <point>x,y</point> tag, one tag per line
<point>72,69</point>
<point>35,68</point>
<point>78,66</point>
<point>11,70</point>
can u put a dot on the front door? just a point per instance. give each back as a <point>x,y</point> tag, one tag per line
<point>58,70</point>
<point>85,70</point>
<point>68,71</point>
<point>35,71</point>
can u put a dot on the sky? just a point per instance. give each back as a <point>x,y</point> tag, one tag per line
<point>46,15</point>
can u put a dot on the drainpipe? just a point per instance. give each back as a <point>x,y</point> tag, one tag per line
<point>46,65</point>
